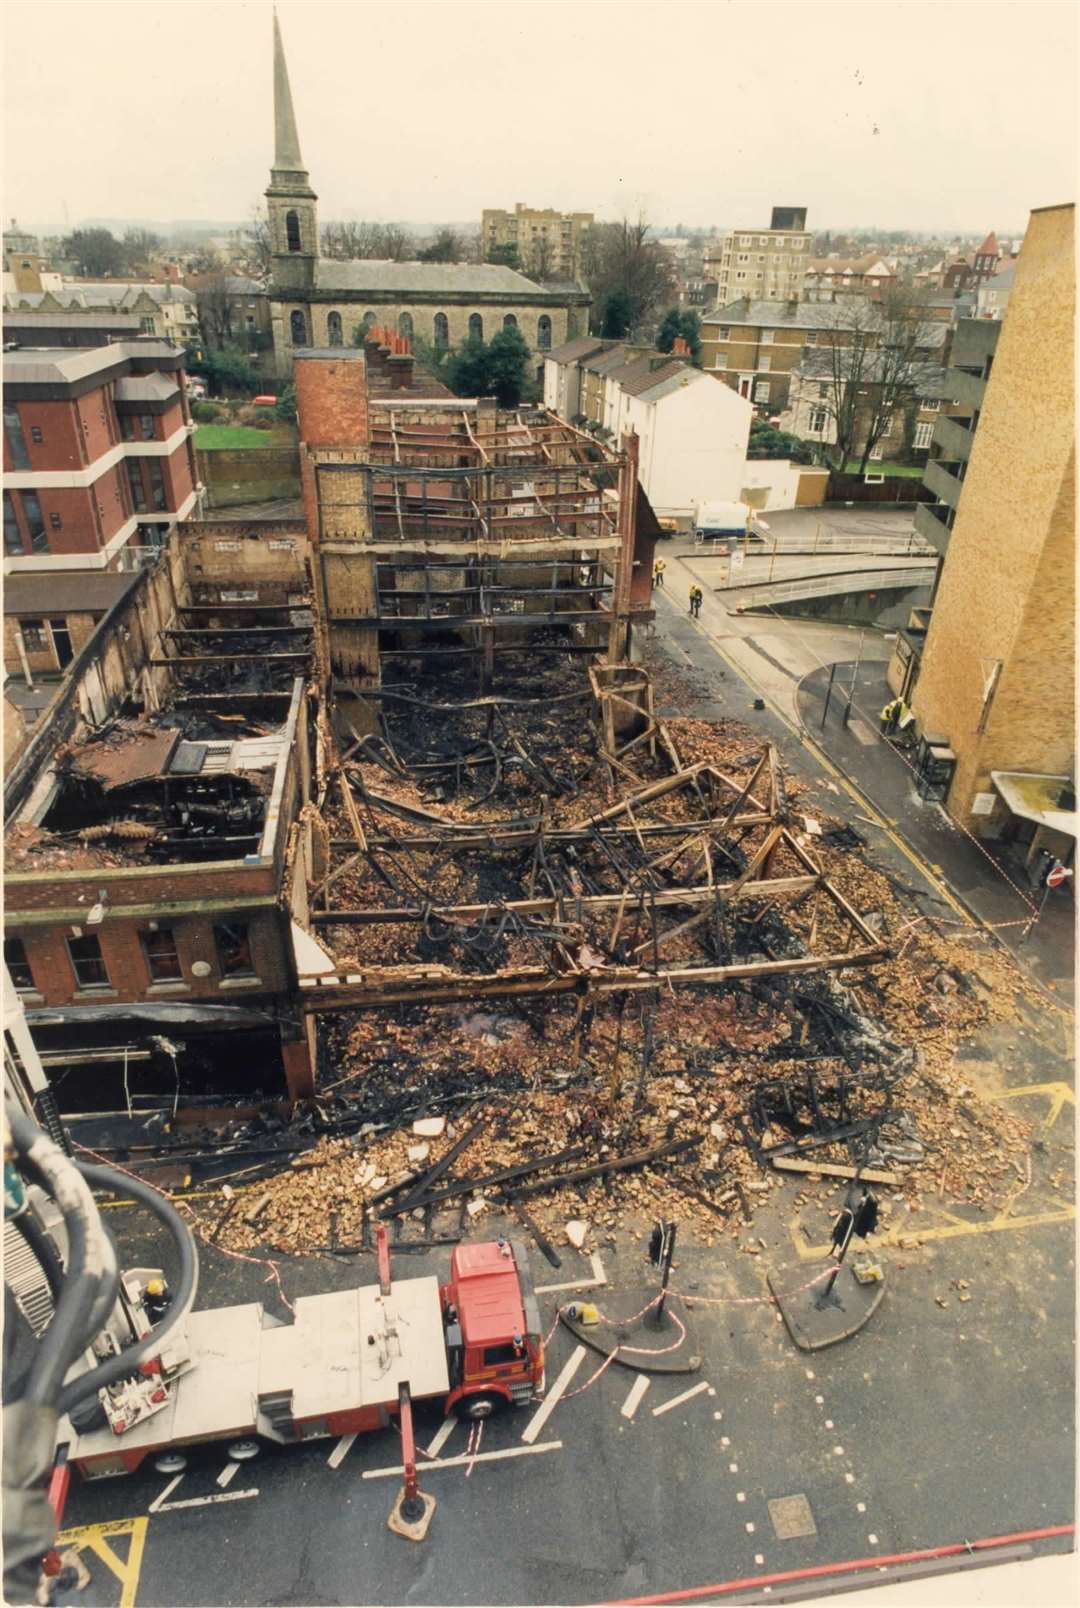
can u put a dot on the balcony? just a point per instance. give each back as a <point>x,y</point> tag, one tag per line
<point>930,524</point>
<point>968,386</point>
<point>942,479</point>
<point>953,437</point>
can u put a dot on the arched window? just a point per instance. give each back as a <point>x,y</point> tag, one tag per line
<point>404,325</point>
<point>510,322</point>
<point>369,319</point>
<point>441,331</point>
<point>543,333</point>
<point>333,329</point>
<point>476,327</point>
<point>298,328</point>
<point>292,231</point>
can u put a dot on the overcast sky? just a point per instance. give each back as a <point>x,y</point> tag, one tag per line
<point>954,114</point>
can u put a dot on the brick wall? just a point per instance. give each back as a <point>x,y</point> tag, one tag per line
<point>96,422</point>
<point>250,474</point>
<point>1007,590</point>
<point>221,554</point>
<point>60,446</point>
<point>126,963</point>
<point>332,402</point>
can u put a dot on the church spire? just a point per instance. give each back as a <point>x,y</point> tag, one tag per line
<point>287,158</point>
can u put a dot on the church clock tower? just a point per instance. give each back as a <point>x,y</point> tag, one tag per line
<point>290,200</point>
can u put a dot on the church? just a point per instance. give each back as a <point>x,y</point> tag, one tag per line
<point>318,302</point>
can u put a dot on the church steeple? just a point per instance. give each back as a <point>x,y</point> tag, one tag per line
<point>290,200</point>
<point>287,158</point>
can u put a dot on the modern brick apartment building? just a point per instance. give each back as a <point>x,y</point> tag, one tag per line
<point>97,453</point>
<point>997,677</point>
<point>549,243</point>
<point>763,263</point>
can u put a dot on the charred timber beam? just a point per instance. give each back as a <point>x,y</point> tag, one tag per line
<point>536,620</point>
<point>184,661</point>
<point>437,651</point>
<point>467,1185</point>
<point>380,992</point>
<point>620,1164</point>
<point>239,631</point>
<point>573,903</point>
<point>243,608</point>
<point>493,840</point>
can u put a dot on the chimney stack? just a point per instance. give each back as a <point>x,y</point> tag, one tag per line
<point>680,348</point>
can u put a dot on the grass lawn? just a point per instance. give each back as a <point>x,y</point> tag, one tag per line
<point>906,471</point>
<point>218,437</point>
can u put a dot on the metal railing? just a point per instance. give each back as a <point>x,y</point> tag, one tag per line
<point>762,595</point>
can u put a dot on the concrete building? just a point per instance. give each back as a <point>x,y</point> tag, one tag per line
<point>953,436</point>
<point>766,264</point>
<point>998,671</point>
<point>70,329</point>
<point>97,454</point>
<point>319,302</point>
<point>168,311</point>
<point>550,244</point>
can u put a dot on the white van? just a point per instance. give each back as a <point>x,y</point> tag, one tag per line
<point>724,521</point>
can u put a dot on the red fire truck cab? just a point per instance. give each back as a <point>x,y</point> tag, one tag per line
<point>493,1342</point>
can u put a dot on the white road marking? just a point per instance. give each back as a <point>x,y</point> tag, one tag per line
<point>207,1501</point>
<point>637,1390</point>
<point>677,1401</point>
<point>442,1435</point>
<point>227,1473</point>
<point>341,1450</point>
<point>459,1462</point>
<point>551,1401</point>
<point>599,1277</point>
<point>155,1506</point>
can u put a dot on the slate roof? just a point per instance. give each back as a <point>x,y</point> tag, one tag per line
<point>146,388</point>
<point>581,346</point>
<point>664,383</point>
<point>929,378</point>
<point>66,592</point>
<point>432,278</point>
<point>650,379</point>
<point>790,315</point>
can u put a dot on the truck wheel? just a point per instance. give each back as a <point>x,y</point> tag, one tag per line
<point>242,1451</point>
<point>170,1463</point>
<point>479,1407</point>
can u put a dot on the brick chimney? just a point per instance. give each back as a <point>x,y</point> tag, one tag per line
<point>680,348</point>
<point>400,364</point>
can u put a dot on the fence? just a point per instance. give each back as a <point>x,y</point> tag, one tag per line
<point>894,488</point>
<point>764,595</point>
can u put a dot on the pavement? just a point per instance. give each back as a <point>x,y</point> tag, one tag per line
<point>989,878</point>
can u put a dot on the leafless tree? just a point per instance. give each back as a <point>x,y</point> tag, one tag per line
<point>214,306</point>
<point>138,246</point>
<point>258,240</point>
<point>623,266</point>
<point>870,367</point>
<point>540,262</point>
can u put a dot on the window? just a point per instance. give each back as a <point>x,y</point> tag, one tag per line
<point>157,485</point>
<point>55,522</point>
<point>764,363</point>
<point>476,327</point>
<point>333,329</point>
<point>543,333</point>
<point>763,240</point>
<point>162,960</point>
<point>405,325</point>
<point>746,240</point>
<point>823,388</point>
<point>17,964</point>
<point>13,542</point>
<point>510,322</point>
<point>494,1355</point>
<point>36,435</point>
<point>127,427</point>
<point>33,635</point>
<point>818,417</point>
<point>367,321</point>
<point>930,404</point>
<point>32,514</point>
<point>147,325</point>
<point>742,258</point>
<point>146,425</point>
<point>720,360</point>
<point>441,331</point>
<point>292,234</point>
<point>135,481</point>
<point>20,458</point>
<point>810,337</point>
<point>877,453</point>
<point>761,391</point>
<point>924,430</point>
<point>297,327</point>
<point>87,962</point>
<point>723,333</point>
<point>767,337</point>
<point>233,949</point>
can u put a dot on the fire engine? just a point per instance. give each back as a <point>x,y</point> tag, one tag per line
<point>240,1375</point>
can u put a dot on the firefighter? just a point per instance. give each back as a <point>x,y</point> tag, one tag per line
<point>891,716</point>
<point>697,597</point>
<point>157,1299</point>
<point>658,572</point>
